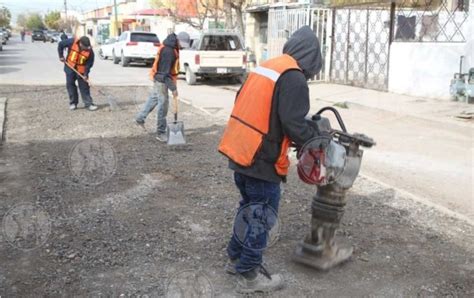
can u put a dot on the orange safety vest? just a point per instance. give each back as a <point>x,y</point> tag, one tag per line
<point>249,122</point>
<point>174,70</point>
<point>77,58</point>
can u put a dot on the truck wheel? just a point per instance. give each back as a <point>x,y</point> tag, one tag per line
<point>124,61</point>
<point>190,77</point>
<point>114,58</point>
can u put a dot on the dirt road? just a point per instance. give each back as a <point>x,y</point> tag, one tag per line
<point>94,206</point>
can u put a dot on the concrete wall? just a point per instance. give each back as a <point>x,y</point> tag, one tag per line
<point>424,69</point>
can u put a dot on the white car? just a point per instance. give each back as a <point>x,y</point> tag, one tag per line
<point>106,50</point>
<point>135,46</point>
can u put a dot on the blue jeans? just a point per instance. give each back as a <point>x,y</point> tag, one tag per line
<point>158,97</point>
<point>71,78</point>
<point>262,193</point>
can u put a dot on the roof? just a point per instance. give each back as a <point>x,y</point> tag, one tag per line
<point>152,12</point>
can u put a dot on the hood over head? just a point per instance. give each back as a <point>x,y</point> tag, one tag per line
<point>171,41</point>
<point>304,47</point>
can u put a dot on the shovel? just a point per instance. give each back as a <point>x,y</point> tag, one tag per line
<point>110,99</point>
<point>175,130</point>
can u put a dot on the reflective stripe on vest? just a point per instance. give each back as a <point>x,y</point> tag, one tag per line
<point>174,70</point>
<point>249,122</point>
<point>76,58</point>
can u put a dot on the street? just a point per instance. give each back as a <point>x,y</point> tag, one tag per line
<point>155,211</point>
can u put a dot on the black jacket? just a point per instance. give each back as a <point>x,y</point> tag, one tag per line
<point>289,107</point>
<point>167,60</point>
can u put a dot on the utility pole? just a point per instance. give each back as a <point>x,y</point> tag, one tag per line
<point>216,15</point>
<point>115,18</point>
<point>65,15</point>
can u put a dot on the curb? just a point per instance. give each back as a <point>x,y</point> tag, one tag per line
<point>421,200</point>
<point>3,105</point>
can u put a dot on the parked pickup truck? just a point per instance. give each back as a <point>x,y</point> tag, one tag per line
<point>214,54</point>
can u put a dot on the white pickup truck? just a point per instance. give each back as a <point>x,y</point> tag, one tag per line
<point>214,54</point>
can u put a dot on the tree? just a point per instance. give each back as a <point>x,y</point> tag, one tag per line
<point>5,17</point>
<point>35,21</point>
<point>237,6</point>
<point>53,20</point>
<point>21,20</point>
<point>195,12</point>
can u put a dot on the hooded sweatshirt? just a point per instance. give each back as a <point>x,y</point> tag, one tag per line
<point>167,60</point>
<point>289,108</point>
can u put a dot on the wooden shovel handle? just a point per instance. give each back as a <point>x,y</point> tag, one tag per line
<point>175,105</point>
<point>78,73</point>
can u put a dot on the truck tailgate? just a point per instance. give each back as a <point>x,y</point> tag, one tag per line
<point>221,58</point>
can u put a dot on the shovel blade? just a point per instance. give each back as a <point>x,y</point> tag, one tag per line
<point>175,133</point>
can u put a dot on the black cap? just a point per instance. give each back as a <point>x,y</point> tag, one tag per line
<point>85,41</point>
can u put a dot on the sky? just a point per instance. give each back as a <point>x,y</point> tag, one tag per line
<point>24,6</point>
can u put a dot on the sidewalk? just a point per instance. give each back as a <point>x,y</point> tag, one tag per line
<point>425,108</point>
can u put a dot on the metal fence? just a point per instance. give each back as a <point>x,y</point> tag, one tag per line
<point>360,54</point>
<point>283,22</point>
<point>431,21</point>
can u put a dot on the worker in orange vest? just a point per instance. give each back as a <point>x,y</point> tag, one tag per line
<point>80,59</point>
<point>268,115</point>
<point>164,75</point>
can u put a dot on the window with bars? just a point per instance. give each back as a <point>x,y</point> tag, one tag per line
<point>431,20</point>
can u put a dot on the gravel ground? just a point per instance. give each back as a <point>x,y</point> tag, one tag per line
<point>142,218</point>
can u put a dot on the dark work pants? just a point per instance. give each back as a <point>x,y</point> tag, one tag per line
<point>257,193</point>
<point>71,78</point>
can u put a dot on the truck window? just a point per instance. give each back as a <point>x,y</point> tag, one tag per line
<point>144,37</point>
<point>221,43</point>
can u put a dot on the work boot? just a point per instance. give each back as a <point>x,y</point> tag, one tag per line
<point>92,107</point>
<point>162,137</point>
<point>139,123</point>
<point>230,266</point>
<point>259,280</point>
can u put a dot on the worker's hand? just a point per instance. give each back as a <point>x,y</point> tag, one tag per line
<point>175,93</point>
<point>62,59</point>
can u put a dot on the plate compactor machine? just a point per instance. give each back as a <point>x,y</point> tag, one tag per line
<point>332,162</point>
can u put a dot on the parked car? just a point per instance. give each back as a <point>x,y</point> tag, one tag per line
<point>56,37</point>
<point>217,53</point>
<point>38,35</point>
<point>50,35</point>
<point>7,33</point>
<point>3,38</point>
<point>135,46</point>
<point>106,49</point>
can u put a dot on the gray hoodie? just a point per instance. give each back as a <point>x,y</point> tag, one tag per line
<point>289,107</point>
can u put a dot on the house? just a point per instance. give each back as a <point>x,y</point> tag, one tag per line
<point>264,41</point>
<point>402,46</point>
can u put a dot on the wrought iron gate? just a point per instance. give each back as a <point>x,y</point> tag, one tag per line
<point>283,22</point>
<point>360,47</point>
